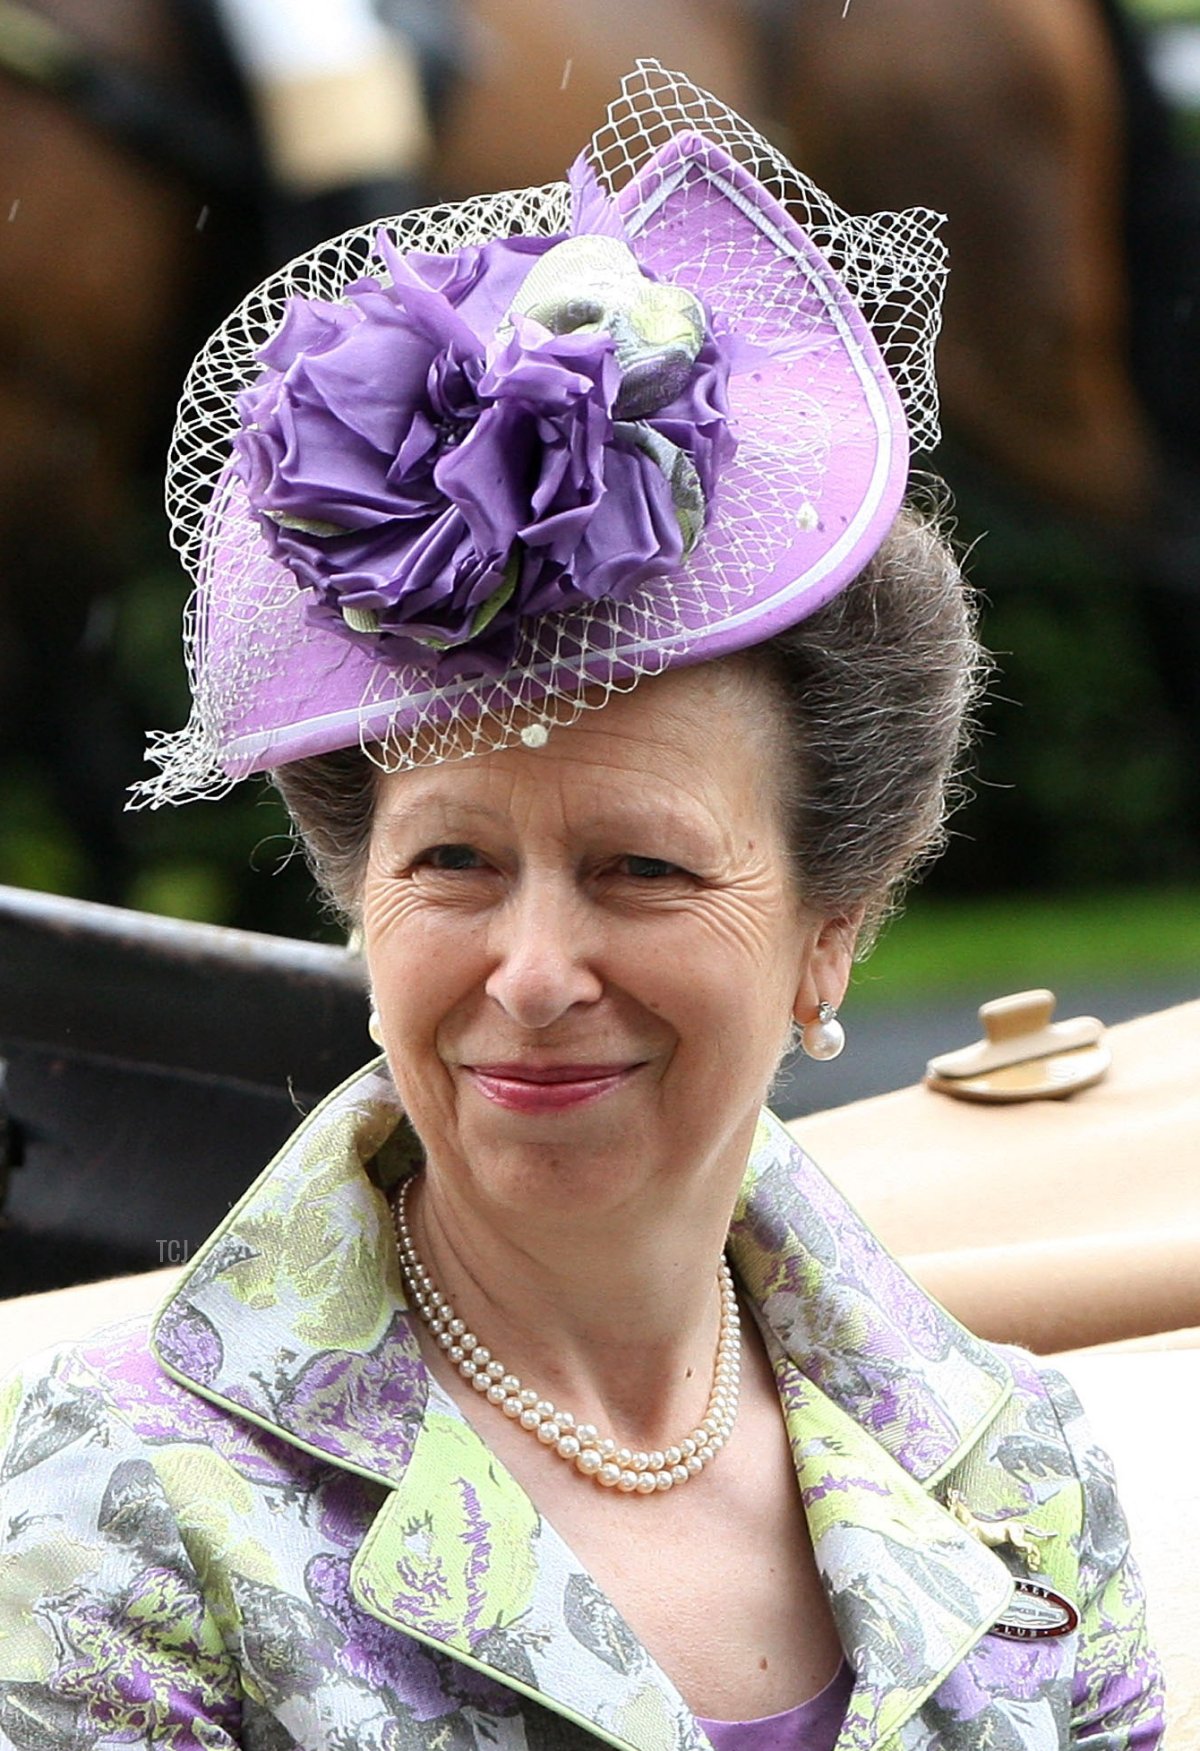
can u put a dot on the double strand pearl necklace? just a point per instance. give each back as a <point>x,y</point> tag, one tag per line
<point>579,1444</point>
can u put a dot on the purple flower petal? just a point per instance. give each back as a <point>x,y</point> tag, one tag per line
<point>414,452</point>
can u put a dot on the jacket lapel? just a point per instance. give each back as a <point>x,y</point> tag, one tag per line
<point>911,1591</point>
<point>851,1318</point>
<point>292,1314</point>
<point>460,1558</point>
<point>882,1391</point>
<point>884,1394</point>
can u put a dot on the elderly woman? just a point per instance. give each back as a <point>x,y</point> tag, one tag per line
<point>553,559</point>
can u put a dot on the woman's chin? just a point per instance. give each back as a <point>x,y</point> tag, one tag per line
<point>574,1156</point>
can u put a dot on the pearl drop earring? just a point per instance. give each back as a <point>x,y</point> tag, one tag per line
<point>375,1027</point>
<point>824,1037</point>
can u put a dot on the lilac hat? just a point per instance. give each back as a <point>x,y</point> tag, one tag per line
<point>446,482</point>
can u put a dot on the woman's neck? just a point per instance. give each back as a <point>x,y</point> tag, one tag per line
<point>618,1324</point>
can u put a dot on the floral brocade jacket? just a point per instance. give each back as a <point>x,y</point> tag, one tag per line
<point>264,1524</point>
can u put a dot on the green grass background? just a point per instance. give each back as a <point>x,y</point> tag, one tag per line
<point>941,946</point>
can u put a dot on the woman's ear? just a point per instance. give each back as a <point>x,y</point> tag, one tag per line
<point>826,971</point>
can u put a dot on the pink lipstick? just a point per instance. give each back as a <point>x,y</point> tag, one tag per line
<point>548,1088</point>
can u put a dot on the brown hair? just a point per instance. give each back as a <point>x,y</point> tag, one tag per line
<point>873,695</point>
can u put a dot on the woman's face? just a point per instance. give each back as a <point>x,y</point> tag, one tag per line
<point>585,956</point>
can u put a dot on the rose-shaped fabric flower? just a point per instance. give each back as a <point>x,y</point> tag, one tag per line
<point>435,465</point>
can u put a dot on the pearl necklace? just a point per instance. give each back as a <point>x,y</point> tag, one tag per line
<point>579,1444</point>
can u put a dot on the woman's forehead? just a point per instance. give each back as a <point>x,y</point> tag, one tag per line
<point>688,743</point>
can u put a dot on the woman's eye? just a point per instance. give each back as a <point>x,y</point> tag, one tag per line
<point>451,857</point>
<point>650,868</point>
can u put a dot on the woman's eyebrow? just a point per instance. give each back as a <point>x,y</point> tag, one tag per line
<point>652,821</point>
<point>433,814</point>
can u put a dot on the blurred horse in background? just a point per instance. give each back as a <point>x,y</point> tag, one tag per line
<point>1007,115</point>
<point>1012,116</point>
<point>126,180</point>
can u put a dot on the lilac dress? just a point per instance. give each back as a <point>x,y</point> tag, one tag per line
<point>811,1726</point>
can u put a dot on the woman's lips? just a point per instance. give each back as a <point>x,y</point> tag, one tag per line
<point>547,1088</point>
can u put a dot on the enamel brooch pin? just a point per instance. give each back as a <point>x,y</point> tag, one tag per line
<point>1035,1613</point>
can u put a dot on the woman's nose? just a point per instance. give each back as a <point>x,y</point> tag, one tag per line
<point>543,967</point>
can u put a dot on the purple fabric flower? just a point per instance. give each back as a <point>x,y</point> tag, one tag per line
<point>424,456</point>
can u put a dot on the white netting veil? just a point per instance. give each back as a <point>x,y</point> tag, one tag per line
<point>244,627</point>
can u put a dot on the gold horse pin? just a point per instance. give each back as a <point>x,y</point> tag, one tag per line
<point>997,1533</point>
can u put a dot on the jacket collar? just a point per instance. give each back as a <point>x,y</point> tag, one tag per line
<point>851,1318</point>
<point>882,1390</point>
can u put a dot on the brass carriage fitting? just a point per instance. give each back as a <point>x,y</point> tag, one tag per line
<point>1024,1054</point>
